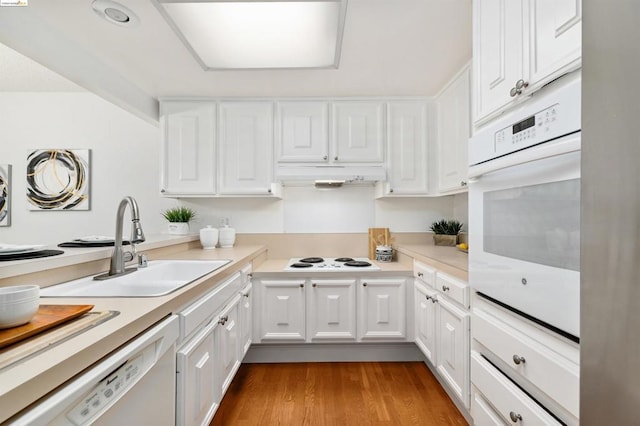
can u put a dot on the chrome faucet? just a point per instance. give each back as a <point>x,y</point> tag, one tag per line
<point>120,257</point>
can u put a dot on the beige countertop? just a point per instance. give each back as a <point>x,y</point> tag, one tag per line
<point>31,378</point>
<point>34,377</point>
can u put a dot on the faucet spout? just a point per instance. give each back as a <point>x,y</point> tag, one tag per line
<point>118,258</point>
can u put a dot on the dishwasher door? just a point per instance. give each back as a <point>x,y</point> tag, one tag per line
<point>135,385</point>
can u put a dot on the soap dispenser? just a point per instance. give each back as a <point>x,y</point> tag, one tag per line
<point>227,235</point>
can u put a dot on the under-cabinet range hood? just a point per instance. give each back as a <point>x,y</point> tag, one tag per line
<point>345,174</point>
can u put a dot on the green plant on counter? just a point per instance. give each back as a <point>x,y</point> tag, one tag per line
<point>179,214</point>
<point>446,227</point>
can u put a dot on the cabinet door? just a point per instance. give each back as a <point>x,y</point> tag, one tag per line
<point>282,313</point>
<point>332,309</point>
<point>188,148</point>
<point>497,53</point>
<point>555,37</point>
<point>453,348</point>
<point>303,132</point>
<point>381,309</point>
<point>407,147</point>
<point>197,393</point>
<point>425,322</point>
<point>228,345</point>
<point>246,147</point>
<point>454,125</point>
<point>246,319</point>
<point>358,132</point>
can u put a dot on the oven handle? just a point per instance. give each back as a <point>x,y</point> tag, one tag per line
<point>563,145</point>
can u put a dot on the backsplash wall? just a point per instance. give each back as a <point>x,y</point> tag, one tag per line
<point>125,159</point>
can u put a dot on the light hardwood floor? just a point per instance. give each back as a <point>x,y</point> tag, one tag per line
<point>355,393</point>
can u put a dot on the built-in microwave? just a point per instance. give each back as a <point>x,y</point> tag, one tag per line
<point>524,209</point>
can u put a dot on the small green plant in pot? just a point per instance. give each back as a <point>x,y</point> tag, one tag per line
<point>445,232</point>
<point>179,218</point>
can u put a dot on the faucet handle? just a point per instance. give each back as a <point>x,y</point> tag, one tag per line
<point>142,261</point>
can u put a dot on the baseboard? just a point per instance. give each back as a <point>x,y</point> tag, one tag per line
<point>328,352</point>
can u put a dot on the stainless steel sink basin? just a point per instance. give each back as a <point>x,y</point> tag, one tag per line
<point>159,278</point>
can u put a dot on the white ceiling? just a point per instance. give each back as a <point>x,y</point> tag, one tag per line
<point>390,47</point>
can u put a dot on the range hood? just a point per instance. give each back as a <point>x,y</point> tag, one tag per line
<point>345,174</point>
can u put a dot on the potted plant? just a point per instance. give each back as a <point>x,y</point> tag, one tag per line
<point>179,218</point>
<point>445,232</point>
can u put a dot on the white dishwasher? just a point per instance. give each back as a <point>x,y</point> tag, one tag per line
<point>135,385</point>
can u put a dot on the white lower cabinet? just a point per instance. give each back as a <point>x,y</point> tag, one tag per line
<point>442,322</point>
<point>452,342</point>
<point>227,337</point>
<point>381,309</point>
<point>509,402</point>
<point>331,310</point>
<point>320,310</point>
<point>282,310</point>
<point>198,395</point>
<point>213,343</point>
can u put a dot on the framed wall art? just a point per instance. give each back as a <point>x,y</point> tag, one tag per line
<point>58,179</point>
<point>5,194</point>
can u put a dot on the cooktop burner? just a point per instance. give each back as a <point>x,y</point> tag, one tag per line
<point>312,260</point>
<point>357,263</point>
<point>301,265</point>
<point>331,264</point>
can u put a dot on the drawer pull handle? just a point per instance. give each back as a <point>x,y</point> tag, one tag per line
<point>314,285</point>
<point>420,274</point>
<point>223,320</point>
<point>364,284</point>
<point>245,294</point>
<point>301,285</point>
<point>515,417</point>
<point>428,297</point>
<point>517,359</point>
<point>445,288</point>
<point>434,299</point>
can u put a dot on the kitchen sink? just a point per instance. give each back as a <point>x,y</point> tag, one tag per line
<point>159,278</point>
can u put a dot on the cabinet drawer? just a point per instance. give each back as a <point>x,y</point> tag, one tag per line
<point>553,374</point>
<point>508,399</point>
<point>196,313</point>
<point>424,273</point>
<point>453,288</point>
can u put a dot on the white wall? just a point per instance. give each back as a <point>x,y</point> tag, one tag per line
<point>125,161</point>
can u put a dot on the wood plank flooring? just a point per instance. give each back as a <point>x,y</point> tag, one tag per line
<point>327,394</point>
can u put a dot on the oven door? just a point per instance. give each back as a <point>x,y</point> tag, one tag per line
<point>525,236</point>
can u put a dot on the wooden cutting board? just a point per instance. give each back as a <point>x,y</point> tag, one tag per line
<point>47,316</point>
<point>378,236</point>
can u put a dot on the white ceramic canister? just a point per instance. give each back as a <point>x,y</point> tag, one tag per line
<point>208,237</point>
<point>227,236</point>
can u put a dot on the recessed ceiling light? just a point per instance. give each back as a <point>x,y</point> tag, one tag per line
<point>254,34</point>
<point>115,13</point>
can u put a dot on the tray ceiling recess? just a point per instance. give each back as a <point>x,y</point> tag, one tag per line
<point>250,34</point>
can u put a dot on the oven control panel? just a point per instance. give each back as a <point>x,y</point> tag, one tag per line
<point>533,130</point>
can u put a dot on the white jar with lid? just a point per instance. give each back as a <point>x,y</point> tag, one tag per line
<point>227,235</point>
<point>208,237</point>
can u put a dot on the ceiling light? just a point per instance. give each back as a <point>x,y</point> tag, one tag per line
<point>115,13</point>
<point>253,34</point>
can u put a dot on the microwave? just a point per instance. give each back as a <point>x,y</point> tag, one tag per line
<point>524,209</point>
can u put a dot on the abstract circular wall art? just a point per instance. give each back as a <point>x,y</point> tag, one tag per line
<point>5,194</point>
<point>58,179</point>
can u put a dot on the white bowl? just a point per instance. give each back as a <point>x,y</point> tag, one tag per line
<point>18,304</point>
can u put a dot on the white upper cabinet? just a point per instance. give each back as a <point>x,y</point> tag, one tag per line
<point>519,46</point>
<point>358,132</point>
<point>188,148</point>
<point>302,133</point>
<point>454,126</point>
<point>246,147</point>
<point>407,148</point>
